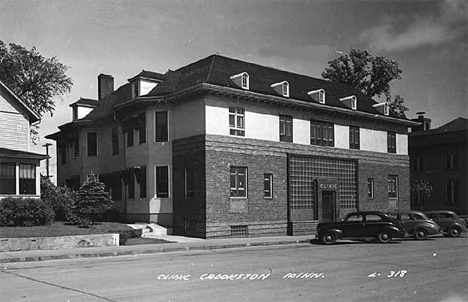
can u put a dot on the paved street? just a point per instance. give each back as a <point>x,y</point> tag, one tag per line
<point>433,270</point>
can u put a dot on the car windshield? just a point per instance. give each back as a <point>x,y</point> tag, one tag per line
<point>420,216</point>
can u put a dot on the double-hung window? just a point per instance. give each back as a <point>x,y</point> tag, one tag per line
<point>7,178</point>
<point>162,181</point>
<point>268,185</point>
<point>391,142</point>
<point>236,121</point>
<point>354,137</point>
<point>322,133</point>
<point>238,182</point>
<point>27,179</point>
<point>370,187</point>
<point>92,143</point>
<point>392,186</point>
<point>162,128</point>
<point>286,128</point>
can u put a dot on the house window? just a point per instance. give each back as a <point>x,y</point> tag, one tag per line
<point>370,187</point>
<point>285,89</point>
<point>189,182</point>
<point>143,182</point>
<point>393,186</point>
<point>142,128</point>
<point>162,133</point>
<point>92,143</point>
<point>391,142</point>
<point>27,179</point>
<point>7,178</point>
<point>286,128</point>
<point>190,224</point>
<point>451,188</point>
<point>322,133</point>
<point>136,89</point>
<point>268,185</point>
<point>76,146</point>
<point>63,153</point>
<point>451,161</point>
<point>245,80</point>
<point>354,137</point>
<point>238,182</point>
<point>130,136</point>
<point>162,181</point>
<point>317,95</point>
<point>236,121</point>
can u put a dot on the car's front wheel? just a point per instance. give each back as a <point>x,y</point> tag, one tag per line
<point>454,232</point>
<point>420,234</point>
<point>384,237</point>
<point>328,238</point>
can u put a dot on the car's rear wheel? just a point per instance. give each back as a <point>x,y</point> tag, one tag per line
<point>384,237</point>
<point>454,232</point>
<point>420,234</point>
<point>328,238</point>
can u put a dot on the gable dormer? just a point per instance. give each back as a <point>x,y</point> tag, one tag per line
<point>282,88</point>
<point>144,82</point>
<point>350,102</point>
<point>241,80</point>
<point>82,107</point>
<point>317,95</point>
<point>382,108</point>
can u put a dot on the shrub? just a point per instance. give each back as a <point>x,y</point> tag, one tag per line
<point>60,199</point>
<point>17,211</point>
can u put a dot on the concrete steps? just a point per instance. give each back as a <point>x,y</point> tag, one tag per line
<point>151,229</point>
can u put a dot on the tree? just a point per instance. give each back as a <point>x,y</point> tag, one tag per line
<point>422,188</point>
<point>371,75</point>
<point>33,78</point>
<point>92,196</point>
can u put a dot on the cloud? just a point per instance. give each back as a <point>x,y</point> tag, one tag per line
<point>448,23</point>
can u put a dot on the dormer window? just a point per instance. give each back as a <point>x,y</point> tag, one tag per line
<point>382,108</point>
<point>281,88</point>
<point>317,95</point>
<point>350,102</point>
<point>241,80</point>
<point>136,89</point>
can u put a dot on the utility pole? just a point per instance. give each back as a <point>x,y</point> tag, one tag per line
<point>47,159</point>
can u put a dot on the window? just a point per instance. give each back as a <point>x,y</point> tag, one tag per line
<point>322,133</point>
<point>267,185</point>
<point>317,95</point>
<point>143,182</point>
<point>27,179</point>
<point>451,161</point>
<point>373,218</point>
<point>136,89</point>
<point>393,186</point>
<point>130,136</point>
<point>245,80</point>
<point>162,128</point>
<point>162,181</point>
<point>116,188</point>
<point>355,218</point>
<point>285,89</point>
<point>141,128</point>
<point>131,185</point>
<point>239,231</point>
<point>236,121</point>
<point>92,143</point>
<point>238,182</point>
<point>241,80</point>
<point>354,137</point>
<point>391,142</point>
<point>7,178</point>
<point>350,101</point>
<point>370,187</point>
<point>115,140</point>
<point>76,146</point>
<point>286,128</point>
<point>189,182</point>
<point>451,191</point>
<point>63,153</point>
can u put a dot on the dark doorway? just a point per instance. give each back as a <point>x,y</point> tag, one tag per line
<point>328,206</point>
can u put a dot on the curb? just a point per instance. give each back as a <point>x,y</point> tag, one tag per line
<point>155,250</point>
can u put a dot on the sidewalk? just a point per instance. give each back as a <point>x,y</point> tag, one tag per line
<point>182,244</point>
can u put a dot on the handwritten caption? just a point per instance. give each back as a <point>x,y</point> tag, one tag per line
<point>236,277</point>
<point>392,274</point>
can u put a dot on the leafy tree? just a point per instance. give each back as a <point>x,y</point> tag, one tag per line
<point>60,199</point>
<point>92,196</point>
<point>422,188</point>
<point>371,75</point>
<point>33,78</point>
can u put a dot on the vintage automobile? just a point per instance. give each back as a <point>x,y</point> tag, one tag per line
<point>451,224</point>
<point>416,224</point>
<point>362,225</point>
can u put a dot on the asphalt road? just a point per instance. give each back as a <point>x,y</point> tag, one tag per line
<point>432,270</point>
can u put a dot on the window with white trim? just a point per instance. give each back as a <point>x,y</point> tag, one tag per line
<point>268,185</point>
<point>286,128</point>
<point>317,95</point>
<point>370,187</point>
<point>236,121</point>
<point>238,182</point>
<point>392,186</point>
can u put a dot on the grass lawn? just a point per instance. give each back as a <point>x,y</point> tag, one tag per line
<point>60,228</point>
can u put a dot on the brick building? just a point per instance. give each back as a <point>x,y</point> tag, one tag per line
<point>440,156</point>
<point>222,147</point>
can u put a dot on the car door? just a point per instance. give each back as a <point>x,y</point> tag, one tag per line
<point>408,222</point>
<point>445,220</point>
<point>373,225</point>
<point>353,226</point>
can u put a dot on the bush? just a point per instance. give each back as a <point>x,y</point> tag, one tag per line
<point>17,211</point>
<point>60,199</point>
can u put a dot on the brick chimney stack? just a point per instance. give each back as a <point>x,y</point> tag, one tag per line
<point>425,122</point>
<point>105,85</point>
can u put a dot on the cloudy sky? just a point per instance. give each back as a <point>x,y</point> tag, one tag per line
<point>427,38</point>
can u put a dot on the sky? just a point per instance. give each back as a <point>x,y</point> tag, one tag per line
<point>428,39</point>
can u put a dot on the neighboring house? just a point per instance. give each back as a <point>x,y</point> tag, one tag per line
<point>19,168</point>
<point>439,156</point>
<point>222,147</point>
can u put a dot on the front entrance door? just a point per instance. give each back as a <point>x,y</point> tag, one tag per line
<point>328,206</point>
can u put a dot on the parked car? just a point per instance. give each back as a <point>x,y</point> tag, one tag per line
<point>361,225</point>
<point>451,224</point>
<point>416,224</point>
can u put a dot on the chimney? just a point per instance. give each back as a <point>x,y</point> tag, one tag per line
<point>105,85</point>
<point>425,123</point>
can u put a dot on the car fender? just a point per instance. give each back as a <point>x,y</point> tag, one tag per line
<point>338,233</point>
<point>457,224</point>
<point>393,230</point>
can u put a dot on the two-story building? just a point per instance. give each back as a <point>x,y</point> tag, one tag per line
<point>19,168</point>
<point>440,157</point>
<point>223,147</point>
